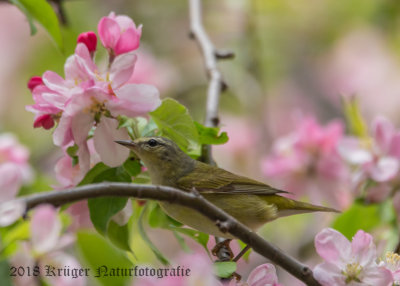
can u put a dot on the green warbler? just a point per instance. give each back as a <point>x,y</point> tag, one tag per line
<point>251,202</point>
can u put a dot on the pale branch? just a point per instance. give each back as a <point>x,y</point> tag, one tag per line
<point>210,55</point>
<point>215,86</point>
<point>193,200</point>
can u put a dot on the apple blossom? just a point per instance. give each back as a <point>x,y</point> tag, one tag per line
<point>88,99</point>
<point>119,34</point>
<point>11,211</point>
<point>392,262</point>
<point>307,161</point>
<point>378,158</point>
<point>349,263</point>
<point>262,275</point>
<point>14,168</point>
<point>96,106</point>
<point>45,248</point>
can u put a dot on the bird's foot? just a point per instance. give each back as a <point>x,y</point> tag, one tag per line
<point>223,251</point>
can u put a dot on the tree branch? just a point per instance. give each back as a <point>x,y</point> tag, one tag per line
<point>192,200</point>
<point>210,55</point>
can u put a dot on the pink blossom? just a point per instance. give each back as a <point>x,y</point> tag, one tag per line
<point>377,157</point>
<point>47,108</point>
<point>89,39</point>
<point>14,168</point>
<point>392,263</point>
<point>45,248</point>
<point>119,33</point>
<point>34,82</point>
<point>69,175</point>
<point>262,275</point>
<point>307,161</point>
<point>11,211</point>
<point>85,109</point>
<point>349,263</point>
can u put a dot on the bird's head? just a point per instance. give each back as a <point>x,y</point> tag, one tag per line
<point>159,154</point>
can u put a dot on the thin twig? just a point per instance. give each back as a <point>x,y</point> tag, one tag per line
<point>195,201</point>
<point>210,55</point>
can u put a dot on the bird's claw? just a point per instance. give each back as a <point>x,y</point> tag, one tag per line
<point>223,245</point>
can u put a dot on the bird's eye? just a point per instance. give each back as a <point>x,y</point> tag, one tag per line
<point>152,143</point>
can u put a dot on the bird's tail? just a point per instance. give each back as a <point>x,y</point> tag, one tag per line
<point>288,207</point>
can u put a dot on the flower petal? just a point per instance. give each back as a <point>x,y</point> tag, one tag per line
<point>63,261</point>
<point>350,149</point>
<point>135,100</point>
<point>11,211</point>
<point>384,170</point>
<point>45,228</point>
<point>383,132</point>
<point>377,276</point>
<point>122,69</point>
<point>332,246</point>
<point>106,132</point>
<point>109,32</point>
<point>129,41</point>
<point>329,274</point>
<point>55,82</point>
<point>10,180</point>
<point>264,274</point>
<point>363,248</point>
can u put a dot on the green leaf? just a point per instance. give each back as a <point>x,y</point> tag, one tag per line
<point>148,129</point>
<point>19,231</point>
<point>42,12</point>
<point>198,236</point>
<point>247,254</point>
<point>181,242</point>
<point>93,173</point>
<point>97,252</point>
<point>132,167</point>
<point>5,273</point>
<point>71,151</point>
<point>103,209</point>
<point>158,218</point>
<point>174,121</point>
<point>119,235</point>
<point>354,117</point>
<point>358,216</point>
<point>146,239</point>
<point>224,269</point>
<point>210,135</point>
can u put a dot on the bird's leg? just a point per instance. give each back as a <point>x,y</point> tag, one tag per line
<point>222,250</point>
<point>241,253</point>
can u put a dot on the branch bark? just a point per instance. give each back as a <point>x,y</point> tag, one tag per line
<point>210,55</point>
<point>193,200</point>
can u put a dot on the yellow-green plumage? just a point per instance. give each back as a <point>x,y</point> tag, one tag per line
<point>251,202</point>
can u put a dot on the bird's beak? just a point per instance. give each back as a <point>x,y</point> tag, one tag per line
<point>127,143</point>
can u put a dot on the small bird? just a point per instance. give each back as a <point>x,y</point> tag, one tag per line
<point>251,202</point>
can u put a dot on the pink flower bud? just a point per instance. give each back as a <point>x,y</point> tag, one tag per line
<point>89,39</point>
<point>119,33</point>
<point>34,82</point>
<point>46,121</point>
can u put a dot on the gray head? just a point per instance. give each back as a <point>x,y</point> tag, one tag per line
<point>161,156</point>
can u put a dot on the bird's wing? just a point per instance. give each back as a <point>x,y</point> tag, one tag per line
<point>216,180</point>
